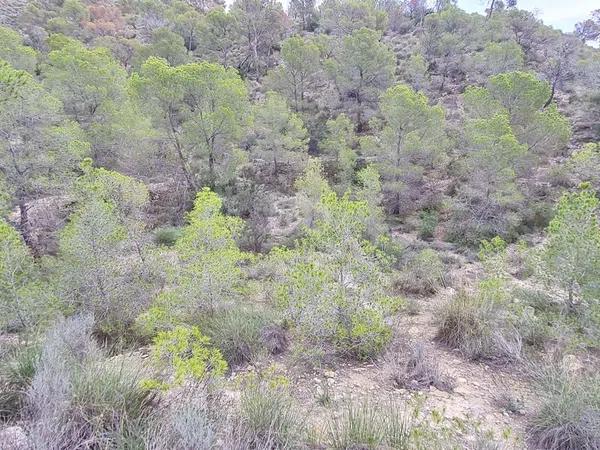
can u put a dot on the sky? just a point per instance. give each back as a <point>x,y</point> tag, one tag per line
<point>560,14</point>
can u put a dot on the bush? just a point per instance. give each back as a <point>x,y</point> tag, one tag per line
<point>78,397</point>
<point>189,420</point>
<point>423,274</point>
<point>429,222</point>
<point>17,369</point>
<point>480,326</point>
<point>167,236</point>
<point>187,354</point>
<point>267,416</point>
<point>238,333</point>
<point>569,415</point>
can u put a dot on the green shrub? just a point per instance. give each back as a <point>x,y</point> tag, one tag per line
<point>187,353</point>
<point>167,236</point>
<point>428,223</point>
<point>369,334</point>
<point>569,415</point>
<point>238,333</point>
<point>17,369</point>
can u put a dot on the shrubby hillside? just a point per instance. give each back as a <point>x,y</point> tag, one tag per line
<point>353,225</point>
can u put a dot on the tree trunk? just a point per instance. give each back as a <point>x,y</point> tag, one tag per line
<point>491,11</point>
<point>552,93</point>
<point>25,226</point>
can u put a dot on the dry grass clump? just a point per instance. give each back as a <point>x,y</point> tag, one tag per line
<point>413,367</point>
<point>569,415</point>
<point>480,327</point>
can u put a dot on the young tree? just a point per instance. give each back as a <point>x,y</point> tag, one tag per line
<point>201,109</point>
<point>39,150</point>
<point>304,14</point>
<point>311,187</point>
<point>217,41</point>
<point>297,73</point>
<point>448,37</point>
<point>486,204</point>
<point>340,143</point>
<point>523,96</point>
<point>93,88</point>
<point>411,141</point>
<point>101,265</point>
<point>207,274</point>
<point>279,134</point>
<point>331,285</point>
<point>500,57</point>
<point>362,68</point>
<point>260,24</point>
<point>342,18</point>
<point>569,259</point>
<point>164,43</point>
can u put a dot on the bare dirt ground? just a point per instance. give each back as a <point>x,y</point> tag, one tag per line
<point>478,388</point>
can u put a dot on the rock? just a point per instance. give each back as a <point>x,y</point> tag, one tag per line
<point>14,438</point>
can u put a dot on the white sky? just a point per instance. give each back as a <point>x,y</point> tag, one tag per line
<point>560,14</point>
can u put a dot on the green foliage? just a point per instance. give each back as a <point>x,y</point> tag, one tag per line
<point>167,45</point>
<point>341,143</point>
<point>268,416</point>
<point>101,267</point>
<point>16,372</point>
<point>260,26</point>
<point>332,285</point>
<point>344,17</point>
<point>523,96</point>
<point>569,260</point>
<point>297,74</point>
<point>238,333</point>
<point>167,236</point>
<point>361,69</point>
<point>583,165</point>
<point>207,272</point>
<point>311,186</point>
<point>500,57</point>
<point>200,109</point>
<point>280,136</point>
<point>411,141</point>
<point>78,395</point>
<point>188,354</point>
<point>481,325</point>
<point>486,204</point>
<point>218,31</point>
<point>14,52</point>
<point>428,225</point>
<point>39,150</point>
<point>22,304</point>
